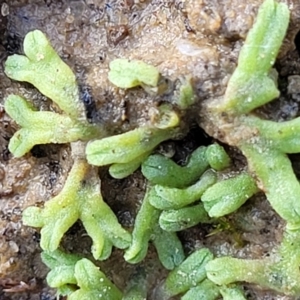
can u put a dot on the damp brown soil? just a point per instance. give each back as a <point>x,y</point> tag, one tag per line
<point>196,38</point>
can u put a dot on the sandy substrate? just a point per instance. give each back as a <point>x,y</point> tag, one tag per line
<point>197,38</point>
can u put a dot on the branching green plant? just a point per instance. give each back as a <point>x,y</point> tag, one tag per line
<point>146,228</point>
<point>79,199</point>
<point>187,274</point>
<point>183,218</point>
<point>178,204</point>
<point>163,171</point>
<point>173,198</point>
<point>279,272</point>
<point>261,140</point>
<point>62,269</point>
<point>228,195</point>
<point>43,68</point>
<point>127,74</point>
<point>43,127</point>
<point>118,150</point>
<point>265,145</point>
<point>78,277</point>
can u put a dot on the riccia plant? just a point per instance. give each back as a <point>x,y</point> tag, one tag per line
<point>177,197</point>
<point>266,145</point>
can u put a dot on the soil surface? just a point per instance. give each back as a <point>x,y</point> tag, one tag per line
<point>197,38</point>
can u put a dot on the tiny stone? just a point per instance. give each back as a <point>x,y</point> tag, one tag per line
<point>293,84</point>
<point>13,246</point>
<point>4,10</point>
